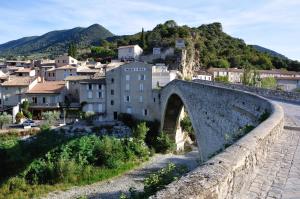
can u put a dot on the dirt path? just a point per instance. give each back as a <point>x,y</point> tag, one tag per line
<point>112,188</point>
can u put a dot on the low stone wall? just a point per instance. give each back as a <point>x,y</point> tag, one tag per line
<point>229,173</point>
<point>293,97</point>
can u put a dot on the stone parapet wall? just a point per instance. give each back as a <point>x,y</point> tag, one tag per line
<point>227,174</point>
<point>273,94</point>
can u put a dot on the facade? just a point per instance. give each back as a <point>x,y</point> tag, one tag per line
<point>13,90</point>
<point>129,90</point>
<point>288,83</point>
<point>132,52</point>
<point>202,75</point>
<point>59,74</point>
<point>73,87</point>
<point>64,60</point>
<point>46,96</point>
<point>161,76</point>
<point>25,72</point>
<point>93,95</point>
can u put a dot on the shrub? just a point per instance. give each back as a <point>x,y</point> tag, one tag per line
<point>164,143</point>
<point>50,117</point>
<point>140,131</point>
<point>5,119</point>
<point>19,117</point>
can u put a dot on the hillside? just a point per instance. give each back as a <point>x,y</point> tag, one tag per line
<point>206,45</point>
<point>268,51</point>
<point>55,42</point>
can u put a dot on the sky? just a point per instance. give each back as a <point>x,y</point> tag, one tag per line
<point>274,24</point>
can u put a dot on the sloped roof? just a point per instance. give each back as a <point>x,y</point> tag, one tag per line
<point>50,87</point>
<point>18,81</point>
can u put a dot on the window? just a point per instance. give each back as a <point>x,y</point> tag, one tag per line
<point>34,100</point>
<point>90,94</point>
<point>90,107</point>
<point>141,99</point>
<point>141,87</point>
<point>44,100</point>
<point>100,95</point>
<point>129,110</point>
<point>99,86</point>
<point>90,86</point>
<point>142,77</point>
<point>127,87</point>
<point>127,98</point>
<point>145,112</point>
<point>112,92</point>
<point>154,99</point>
<point>112,80</point>
<point>100,108</point>
<point>112,102</point>
<point>127,77</point>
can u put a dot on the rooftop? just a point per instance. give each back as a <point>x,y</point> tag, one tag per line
<point>24,70</point>
<point>77,78</point>
<point>18,81</point>
<point>129,46</point>
<point>65,67</point>
<point>50,87</point>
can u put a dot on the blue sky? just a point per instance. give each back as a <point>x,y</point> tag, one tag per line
<point>270,23</point>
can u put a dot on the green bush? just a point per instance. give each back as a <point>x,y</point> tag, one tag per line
<point>157,181</point>
<point>140,131</point>
<point>164,144</point>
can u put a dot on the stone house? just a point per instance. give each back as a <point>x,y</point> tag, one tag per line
<point>131,52</point>
<point>46,96</point>
<point>130,89</point>
<point>288,83</point>
<point>13,90</point>
<point>64,60</point>
<point>93,95</point>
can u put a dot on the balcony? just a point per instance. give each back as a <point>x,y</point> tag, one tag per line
<point>44,105</point>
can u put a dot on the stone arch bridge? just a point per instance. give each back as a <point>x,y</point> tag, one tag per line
<point>216,113</point>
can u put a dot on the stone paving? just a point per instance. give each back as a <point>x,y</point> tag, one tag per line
<point>279,176</point>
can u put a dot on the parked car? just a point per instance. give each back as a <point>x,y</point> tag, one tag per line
<point>29,123</point>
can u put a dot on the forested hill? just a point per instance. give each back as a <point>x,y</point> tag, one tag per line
<point>207,45</point>
<point>55,42</point>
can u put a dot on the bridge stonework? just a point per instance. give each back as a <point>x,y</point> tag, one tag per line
<point>216,112</point>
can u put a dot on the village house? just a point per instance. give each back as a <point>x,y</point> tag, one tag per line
<point>288,83</point>
<point>93,96</point>
<point>64,60</point>
<point>46,96</point>
<point>23,72</point>
<point>73,87</point>
<point>130,90</point>
<point>131,52</point>
<point>13,90</point>
<point>202,75</point>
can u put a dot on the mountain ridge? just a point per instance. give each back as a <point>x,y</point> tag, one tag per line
<point>55,42</point>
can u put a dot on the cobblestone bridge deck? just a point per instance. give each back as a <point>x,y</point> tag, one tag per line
<point>279,176</point>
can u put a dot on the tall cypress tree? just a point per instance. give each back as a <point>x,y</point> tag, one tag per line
<point>143,39</point>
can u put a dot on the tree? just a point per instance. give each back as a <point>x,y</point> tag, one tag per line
<point>141,131</point>
<point>5,119</point>
<point>50,117</point>
<point>25,109</point>
<point>269,83</point>
<point>72,51</point>
<point>143,39</point>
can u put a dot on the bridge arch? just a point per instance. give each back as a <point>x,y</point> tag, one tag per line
<point>216,113</point>
<point>170,124</point>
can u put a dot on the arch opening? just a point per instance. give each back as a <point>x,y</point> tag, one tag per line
<point>177,124</point>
